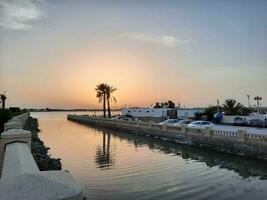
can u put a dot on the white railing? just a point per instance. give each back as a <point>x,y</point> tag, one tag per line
<point>20,176</point>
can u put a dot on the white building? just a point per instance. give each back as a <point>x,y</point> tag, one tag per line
<point>188,112</point>
<point>146,112</point>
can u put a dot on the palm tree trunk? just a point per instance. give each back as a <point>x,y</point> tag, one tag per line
<point>104,105</point>
<point>109,115</point>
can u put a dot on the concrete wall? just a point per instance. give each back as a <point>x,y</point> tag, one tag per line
<point>146,112</point>
<point>20,176</point>
<point>188,113</point>
<point>240,143</point>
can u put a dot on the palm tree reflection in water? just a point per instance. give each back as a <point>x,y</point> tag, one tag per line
<point>103,158</point>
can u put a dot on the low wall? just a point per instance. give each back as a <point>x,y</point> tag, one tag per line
<point>240,143</point>
<point>20,176</point>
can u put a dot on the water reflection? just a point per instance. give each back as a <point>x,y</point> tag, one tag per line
<point>245,167</point>
<point>104,158</point>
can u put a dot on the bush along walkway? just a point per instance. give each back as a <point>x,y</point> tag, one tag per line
<point>39,150</point>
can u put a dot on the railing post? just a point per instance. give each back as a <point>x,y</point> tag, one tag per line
<point>164,127</point>
<point>207,132</point>
<point>150,124</point>
<point>13,135</point>
<point>13,125</point>
<point>183,128</point>
<point>241,135</point>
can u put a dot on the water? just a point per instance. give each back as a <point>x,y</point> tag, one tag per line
<point>112,165</point>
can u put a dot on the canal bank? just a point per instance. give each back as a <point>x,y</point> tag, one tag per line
<point>238,143</point>
<point>39,151</point>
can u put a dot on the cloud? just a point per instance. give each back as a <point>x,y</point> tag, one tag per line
<point>19,14</point>
<point>165,40</point>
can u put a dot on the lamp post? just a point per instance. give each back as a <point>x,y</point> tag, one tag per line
<point>248,96</point>
<point>258,99</point>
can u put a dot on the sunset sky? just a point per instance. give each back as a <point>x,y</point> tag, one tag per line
<point>54,52</point>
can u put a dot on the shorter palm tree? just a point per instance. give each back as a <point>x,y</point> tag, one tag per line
<point>109,90</point>
<point>102,95</point>
<point>232,107</point>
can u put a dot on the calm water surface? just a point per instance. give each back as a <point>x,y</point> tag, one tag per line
<point>113,165</point>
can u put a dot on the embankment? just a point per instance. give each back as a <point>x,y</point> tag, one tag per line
<point>39,150</point>
<point>239,143</point>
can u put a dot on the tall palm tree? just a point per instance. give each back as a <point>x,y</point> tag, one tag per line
<point>3,100</point>
<point>102,95</point>
<point>109,90</point>
<point>231,107</point>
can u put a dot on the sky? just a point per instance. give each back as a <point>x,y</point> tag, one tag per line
<point>53,53</point>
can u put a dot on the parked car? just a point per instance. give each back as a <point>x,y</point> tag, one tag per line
<point>121,117</point>
<point>169,122</point>
<point>240,121</point>
<point>201,124</point>
<point>256,123</point>
<point>183,122</point>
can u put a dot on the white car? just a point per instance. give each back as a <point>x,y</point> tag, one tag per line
<point>201,124</point>
<point>183,122</point>
<point>169,122</point>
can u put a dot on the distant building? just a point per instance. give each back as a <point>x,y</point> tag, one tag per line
<point>146,112</point>
<point>162,112</point>
<point>188,112</point>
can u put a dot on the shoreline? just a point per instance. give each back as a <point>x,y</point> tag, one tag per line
<point>39,151</point>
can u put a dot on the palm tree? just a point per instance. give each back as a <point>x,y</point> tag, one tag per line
<point>102,95</point>
<point>3,100</point>
<point>231,107</point>
<point>109,90</point>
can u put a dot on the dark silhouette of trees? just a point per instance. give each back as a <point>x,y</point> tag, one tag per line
<point>168,104</point>
<point>232,107</point>
<point>3,100</point>
<point>109,90</point>
<point>157,105</point>
<point>102,95</point>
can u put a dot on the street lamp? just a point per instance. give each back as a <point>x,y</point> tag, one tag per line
<point>248,96</point>
<point>258,99</point>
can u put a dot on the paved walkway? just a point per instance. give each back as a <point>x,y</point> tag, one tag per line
<point>252,130</point>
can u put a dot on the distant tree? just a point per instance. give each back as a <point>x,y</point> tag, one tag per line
<point>171,104</point>
<point>3,100</point>
<point>5,115</point>
<point>157,105</point>
<point>246,111</point>
<point>198,115</point>
<point>232,107</point>
<point>109,90</point>
<point>101,95</point>
<point>210,112</point>
<point>168,104</point>
<point>164,105</point>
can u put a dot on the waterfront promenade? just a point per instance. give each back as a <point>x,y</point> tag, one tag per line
<point>239,143</point>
